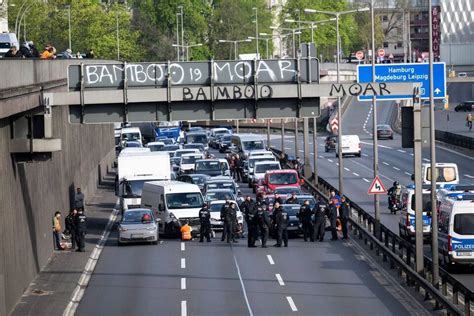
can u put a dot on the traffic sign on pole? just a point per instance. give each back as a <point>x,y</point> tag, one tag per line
<point>377,187</point>
<point>414,72</point>
<point>334,125</point>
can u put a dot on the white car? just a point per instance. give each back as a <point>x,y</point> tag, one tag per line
<point>350,145</point>
<point>215,210</point>
<point>260,168</point>
<point>186,164</point>
<point>155,146</point>
<point>138,225</point>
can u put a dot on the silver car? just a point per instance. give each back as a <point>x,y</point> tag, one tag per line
<point>138,225</point>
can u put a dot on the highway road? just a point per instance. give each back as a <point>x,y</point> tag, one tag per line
<point>176,278</point>
<point>395,163</point>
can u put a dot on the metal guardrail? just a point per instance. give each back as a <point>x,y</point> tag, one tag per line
<point>455,139</point>
<point>401,256</point>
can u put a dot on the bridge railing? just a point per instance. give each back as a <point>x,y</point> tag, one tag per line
<point>454,297</point>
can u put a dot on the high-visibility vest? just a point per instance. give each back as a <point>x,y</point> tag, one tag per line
<point>186,232</point>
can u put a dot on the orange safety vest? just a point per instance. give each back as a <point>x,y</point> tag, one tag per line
<point>186,232</point>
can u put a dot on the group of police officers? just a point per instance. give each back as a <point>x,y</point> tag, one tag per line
<point>260,222</point>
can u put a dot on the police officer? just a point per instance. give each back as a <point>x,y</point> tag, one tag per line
<point>205,221</point>
<point>333,219</point>
<point>263,222</point>
<point>320,211</point>
<point>230,221</point>
<point>304,216</point>
<point>250,218</point>
<point>344,216</point>
<point>292,199</point>
<point>281,222</point>
<point>223,219</point>
<point>247,204</point>
<point>81,230</point>
<point>71,226</point>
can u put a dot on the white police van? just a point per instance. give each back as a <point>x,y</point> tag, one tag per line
<point>447,173</point>
<point>456,229</point>
<point>449,189</point>
<point>406,223</point>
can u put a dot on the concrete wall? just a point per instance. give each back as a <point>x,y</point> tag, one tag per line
<point>31,192</point>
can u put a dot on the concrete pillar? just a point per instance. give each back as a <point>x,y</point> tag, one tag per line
<point>237,126</point>
<point>296,139</point>
<point>282,135</point>
<point>268,132</point>
<point>315,151</point>
<point>307,161</point>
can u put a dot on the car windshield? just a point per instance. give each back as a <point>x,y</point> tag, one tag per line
<point>5,45</point>
<point>130,136</point>
<point>283,178</point>
<point>133,144</point>
<point>156,147</point>
<point>183,200</point>
<point>215,207</point>
<point>178,154</point>
<point>220,185</point>
<point>262,168</point>
<point>292,210</point>
<point>189,159</point>
<point>253,145</point>
<point>221,132</point>
<point>443,174</point>
<point>134,188</point>
<point>383,127</point>
<point>194,146</point>
<point>426,204</point>
<point>219,195</point>
<point>170,147</point>
<point>208,165</point>
<point>312,201</point>
<point>464,224</point>
<point>137,216</point>
<point>257,159</point>
<point>167,141</point>
<point>196,138</point>
<point>198,179</point>
<point>287,191</point>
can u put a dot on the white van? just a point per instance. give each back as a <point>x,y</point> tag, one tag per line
<point>7,40</point>
<point>406,224</point>
<point>350,145</point>
<point>447,173</point>
<point>456,230</point>
<point>131,134</point>
<point>173,202</point>
<point>245,143</point>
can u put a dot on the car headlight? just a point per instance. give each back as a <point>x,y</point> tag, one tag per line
<point>122,229</point>
<point>152,228</point>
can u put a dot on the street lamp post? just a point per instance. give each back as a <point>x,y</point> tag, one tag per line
<point>69,23</point>
<point>235,45</point>
<point>117,34</point>
<point>256,28</point>
<point>182,28</point>
<point>294,32</point>
<point>339,110</point>
<point>177,36</point>
<point>266,39</point>
<point>186,48</point>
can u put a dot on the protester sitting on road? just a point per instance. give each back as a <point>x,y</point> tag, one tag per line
<point>186,232</point>
<point>13,53</point>
<point>49,52</point>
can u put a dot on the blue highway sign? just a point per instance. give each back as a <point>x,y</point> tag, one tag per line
<point>415,72</point>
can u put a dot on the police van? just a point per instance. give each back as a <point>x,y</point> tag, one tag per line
<point>450,189</point>
<point>446,173</point>
<point>456,229</point>
<point>406,223</point>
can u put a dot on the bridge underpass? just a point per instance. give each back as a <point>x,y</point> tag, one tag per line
<point>348,263</point>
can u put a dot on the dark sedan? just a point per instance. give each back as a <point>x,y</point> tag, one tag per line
<point>330,143</point>
<point>294,227</point>
<point>384,132</point>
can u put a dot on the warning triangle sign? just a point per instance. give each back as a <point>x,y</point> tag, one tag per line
<point>377,187</point>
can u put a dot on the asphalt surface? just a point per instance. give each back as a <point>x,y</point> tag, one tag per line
<point>175,278</point>
<point>395,163</point>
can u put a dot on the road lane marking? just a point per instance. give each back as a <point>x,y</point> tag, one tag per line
<point>301,151</point>
<point>280,280</point>
<point>382,146</point>
<point>330,160</point>
<point>337,164</point>
<point>408,174</point>
<point>356,174</point>
<point>183,246</point>
<point>381,175</point>
<point>270,259</point>
<point>427,160</point>
<point>292,304</point>
<point>287,148</point>
<point>365,180</point>
<point>312,154</point>
<point>386,163</point>
<point>412,154</point>
<point>347,169</point>
<point>83,282</point>
<point>243,287</point>
<point>184,308</point>
<point>183,283</point>
<point>365,155</point>
<point>183,263</point>
<point>398,169</point>
<point>401,151</point>
<point>322,157</point>
<point>469,176</point>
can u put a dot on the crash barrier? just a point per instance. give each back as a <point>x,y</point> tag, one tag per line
<point>453,297</point>
<point>455,139</point>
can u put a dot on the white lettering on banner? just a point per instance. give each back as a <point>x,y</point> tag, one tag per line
<point>228,93</point>
<point>218,69</point>
<point>92,74</point>
<point>246,70</point>
<point>263,67</point>
<point>284,67</point>
<point>174,74</point>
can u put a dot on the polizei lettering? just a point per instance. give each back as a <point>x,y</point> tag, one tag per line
<point>357,89</point>
<point>227,93</point>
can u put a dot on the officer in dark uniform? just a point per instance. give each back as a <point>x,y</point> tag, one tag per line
<point>281,221</point>
<point>263,221</point>
<point>81,230</point>
<point>292,199</point>
<point>205,221</point>
<point>223,219</point>
<point>230,222</point>
<point>344,216</point>
<point>71,226</point>
<point>333,219</point>
<point>304,216</point>
<point>250,218</point>
<point>320,220</point>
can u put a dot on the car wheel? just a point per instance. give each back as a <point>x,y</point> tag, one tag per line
<point>359,155</point>
<point>155,242</point>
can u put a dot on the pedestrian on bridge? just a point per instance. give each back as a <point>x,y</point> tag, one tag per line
<point>304,216</point>
<point>292,199</point>
<point>320,211</point>
<point>81,230</point>
<point>252,223</point>
<point>79,199</point>
<point>469,120</point>
<point>344,213</point>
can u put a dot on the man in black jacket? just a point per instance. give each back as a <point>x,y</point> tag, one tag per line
<point>292,199</point>
<point>250,218</point>
<point>281,221</point>
<point>320,220</point>
<point>304,216</point>
<point>344,212</point>
<point>224,209</point>
<point>231,221</point>
<point>263,221</point>
<point>333,219</point>
<point>205,221</point>
<point>71,226</point>
<point>81,230</point>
